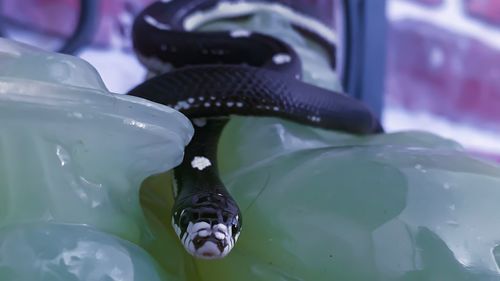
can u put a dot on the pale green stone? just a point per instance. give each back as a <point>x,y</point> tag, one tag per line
<point>317,205</point>
<point>72,153</point>
<point>320,205</point>
<point>50,252</point>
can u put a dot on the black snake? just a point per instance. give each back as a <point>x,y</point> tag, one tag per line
<point>209,76</point>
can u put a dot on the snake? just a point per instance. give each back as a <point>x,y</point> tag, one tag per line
<point>211,76</point>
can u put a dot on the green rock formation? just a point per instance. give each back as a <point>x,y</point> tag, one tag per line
<point>317,205</point>
<point>320,205</point>
<point>72,158</point>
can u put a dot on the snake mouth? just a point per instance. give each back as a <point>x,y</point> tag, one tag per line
<point>206,241</point>
<point>209,247</point>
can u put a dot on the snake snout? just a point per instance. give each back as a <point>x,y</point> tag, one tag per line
<point>210,246</point>
<point>208,241</point>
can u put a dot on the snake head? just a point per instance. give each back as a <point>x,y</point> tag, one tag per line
<point>208,224</point>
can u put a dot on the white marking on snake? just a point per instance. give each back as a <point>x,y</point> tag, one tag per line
<point>190,225</point>
<point>204,233</point>
<point>282,58</point>
<point>240,33</point>
<point>199,226</point>
<point>276,108</point>
<point>177,229</point>
<point>190,100</point>
<point>220,227</point>
<point>228,9</point>
<point>200,163</point>
<point>208,250</point>
<point>207,104</point>
<point>219,235</point>
<point>239,104</point>
<point>217,103</point>
<point>182,105</point>
<point>155,23</point>
<point>200,122</point>
<point>230,104</point>
<point>316,118</point>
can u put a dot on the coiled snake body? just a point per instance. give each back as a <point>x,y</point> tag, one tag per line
<point>209,76</point>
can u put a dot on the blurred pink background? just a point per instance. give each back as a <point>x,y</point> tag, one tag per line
<point>443,59</point>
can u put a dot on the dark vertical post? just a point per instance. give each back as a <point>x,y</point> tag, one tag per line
<point>364,37</point>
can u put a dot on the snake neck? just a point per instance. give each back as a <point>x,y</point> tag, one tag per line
<point>199,169</point>
<point>205,216</point>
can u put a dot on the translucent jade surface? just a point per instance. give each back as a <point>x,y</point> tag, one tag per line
<point>72,158</point>
<point>317,205</point>
<point>320,205</point>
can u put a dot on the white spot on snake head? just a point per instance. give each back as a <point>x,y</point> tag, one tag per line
<point>240,33</point>
<point>155,23</point>
<point>199,226</point>
<point>200,163</point>
<point>281,58</point>
<point>220,235</point>
<point>204,233</point>
<point>220,227</point>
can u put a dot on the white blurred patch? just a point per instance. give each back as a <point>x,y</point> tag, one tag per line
<point>240,33</point>
<point>200,163</point>
<point>238,8</point>
<point>281,58</point>
<point>155,23</point>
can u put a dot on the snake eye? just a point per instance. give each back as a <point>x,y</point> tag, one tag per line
<point>184,220</point>
<point>234,229</point>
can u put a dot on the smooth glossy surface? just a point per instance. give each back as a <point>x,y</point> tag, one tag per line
<point>73,153</point>
<point>321,205</point>
<point>317,205</point>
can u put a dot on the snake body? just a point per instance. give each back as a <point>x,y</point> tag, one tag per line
<point>209,76</point>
